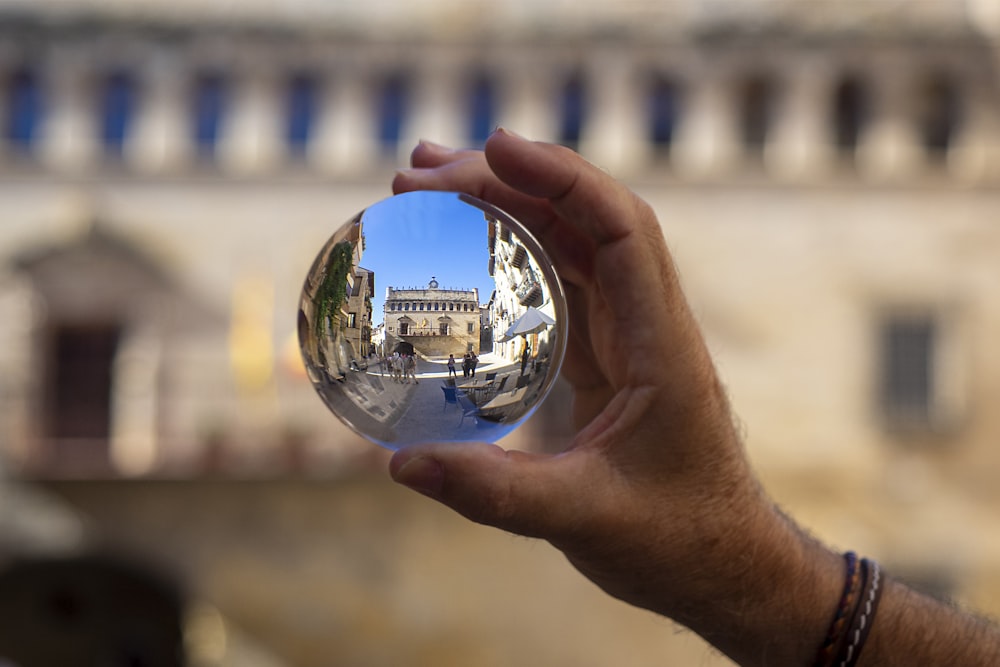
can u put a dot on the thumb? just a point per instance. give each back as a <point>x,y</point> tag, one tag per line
<point>516,491</point>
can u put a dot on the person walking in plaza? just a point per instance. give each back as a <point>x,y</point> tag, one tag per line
<point>473,362</point>
<point>397,367</point>
<point>451,366</point>
<point>411,368</point>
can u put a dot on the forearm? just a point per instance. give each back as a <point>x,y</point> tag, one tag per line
<point>785,623</point>
<point>913,629</point>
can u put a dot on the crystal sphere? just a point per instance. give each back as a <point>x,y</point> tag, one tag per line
<point>432,317</point>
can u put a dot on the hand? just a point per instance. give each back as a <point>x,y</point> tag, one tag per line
<point>653,499</point>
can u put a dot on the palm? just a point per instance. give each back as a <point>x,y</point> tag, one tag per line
<point>590,356</point>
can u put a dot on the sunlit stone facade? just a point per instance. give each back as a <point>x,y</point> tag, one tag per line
<point>358,307</point>
<point>436,321</point>
<point>520,284</point>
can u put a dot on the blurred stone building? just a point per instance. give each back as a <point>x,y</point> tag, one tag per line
<point>826,174</point>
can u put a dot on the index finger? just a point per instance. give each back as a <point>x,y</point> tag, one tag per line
<point>439,168</point>
<point>604,208</point>
<point>637,288</point>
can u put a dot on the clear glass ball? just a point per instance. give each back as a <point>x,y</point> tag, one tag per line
<point>432,317</point>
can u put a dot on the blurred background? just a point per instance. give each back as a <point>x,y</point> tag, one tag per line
<point>171,489</point>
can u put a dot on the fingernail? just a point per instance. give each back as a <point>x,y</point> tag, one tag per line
<point>511,133</point>
<point>422,474</point>
<point>436,147</point>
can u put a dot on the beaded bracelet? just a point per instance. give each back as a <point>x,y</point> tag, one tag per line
<point>855,613</point>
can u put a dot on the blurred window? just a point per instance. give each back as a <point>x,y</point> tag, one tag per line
<point>482,109</point>
<point>908,346</point>
<point>573,111</point>
<point>939,109</point>
<point>302,107</point>
<point>664,108</point>
<point>758,106</point>
<point>393,108</point>
<point>118,100</point>
<point>850,115</point>
<point>25,107</point>
<point>210,98</point>
<point>79,385</point>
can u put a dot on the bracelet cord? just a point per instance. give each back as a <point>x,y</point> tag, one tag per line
<point>854,615</point>
<point>864,615</point>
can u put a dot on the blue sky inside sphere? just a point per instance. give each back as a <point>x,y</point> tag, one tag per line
<point>412,237</point>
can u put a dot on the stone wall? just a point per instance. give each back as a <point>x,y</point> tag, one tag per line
<point>362,573</point>
<point>439,346</point>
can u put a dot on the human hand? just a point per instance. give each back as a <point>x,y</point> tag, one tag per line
<point>653,498</point>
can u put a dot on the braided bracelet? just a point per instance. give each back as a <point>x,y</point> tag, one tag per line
<point>836,633</point>
<point>864,615</point>
<point>855,612</point>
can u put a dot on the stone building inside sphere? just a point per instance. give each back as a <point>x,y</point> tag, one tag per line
<point>435,321</point>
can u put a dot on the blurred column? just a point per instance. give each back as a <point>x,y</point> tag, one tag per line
<point>134,403</point>
<point>706,134</point>
<point>985,15</point>
<point>345,138</point>
<point>801,148</point>
<point>19,371</point>
<point>162,138</point>
<point>69,137</point>
<point>890,150</point>
<point>529,95</point>
<point>975,155</point>
<point>440,110</point>
<point>614,138</point>
<point>252,142</point>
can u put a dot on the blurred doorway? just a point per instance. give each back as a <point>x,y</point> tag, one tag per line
<point>78,395</point>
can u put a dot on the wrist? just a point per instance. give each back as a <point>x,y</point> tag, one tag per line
<point>773,594</point>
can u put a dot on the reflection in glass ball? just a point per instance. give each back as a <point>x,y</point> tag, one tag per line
<point>432,316</point>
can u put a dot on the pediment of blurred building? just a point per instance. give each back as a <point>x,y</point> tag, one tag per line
<point>100,276</point>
